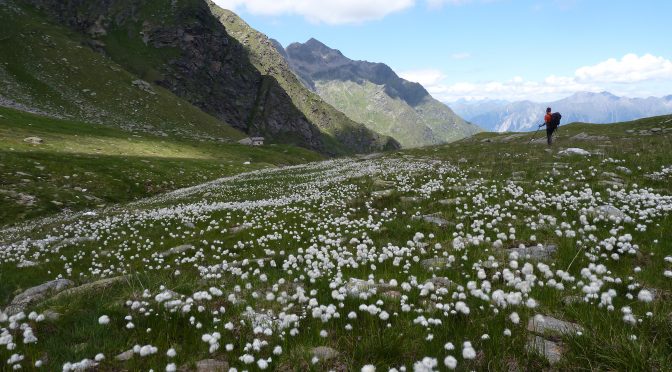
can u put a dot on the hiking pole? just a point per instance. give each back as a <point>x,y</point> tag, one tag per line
<point>535,134</point>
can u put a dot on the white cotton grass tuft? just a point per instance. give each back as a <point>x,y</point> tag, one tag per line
<point>645,296</point>
<point>468,351</point>
<point>450,362</point>
<point>369,368</point>
<point>104,320</point>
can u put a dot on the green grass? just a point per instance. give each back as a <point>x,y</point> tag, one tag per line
<point>137,231</point>
<point>47,67</point>
<point>82,166</point>
<point>428,123</point>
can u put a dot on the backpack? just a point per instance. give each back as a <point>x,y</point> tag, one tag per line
<point>555,120</point>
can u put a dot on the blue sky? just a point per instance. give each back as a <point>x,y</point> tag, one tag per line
<point>489,48</point>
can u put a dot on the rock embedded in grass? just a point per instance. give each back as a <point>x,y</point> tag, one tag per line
<point>212,365</point>
<point>382,193</point>
<point>33,140</point>
<point>535,252</point>
<point>324,353</point>
<point>574,151</point>
<point>548,325</point>
<point>36,294</point>
<point>176,250</point>
<point>550,350</point>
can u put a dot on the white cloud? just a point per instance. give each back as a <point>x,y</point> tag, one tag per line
<point>631,75</point>
<point>629,69</point>
<point>321,11</point>
<point>425,77</point>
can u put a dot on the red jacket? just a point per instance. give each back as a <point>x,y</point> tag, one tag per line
<point>547,118</point>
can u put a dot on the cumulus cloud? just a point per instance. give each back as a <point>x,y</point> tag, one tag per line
<point>629,69</point>
<point>632,75</point>
<point>321,11</point>
<point>428,78</point>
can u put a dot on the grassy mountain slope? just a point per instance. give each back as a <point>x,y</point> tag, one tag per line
<point>373,94</point>
<point>182,47</point>
<point>266,58</point>
<point>81,165</point>
<point>45,68</point>
<point>336,248</point>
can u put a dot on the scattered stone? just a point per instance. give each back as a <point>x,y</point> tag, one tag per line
<point>436,219</point>
<point>608,211</point>
<point>570,300</point>
<point>237,229</point>
<point>212,365</point>
<point>573,151</point>
<point>33,140</point>
<point>356,286</point>
<point>409,199</point>
<point>548,325</point>
<point>535,252</point>
<point>56,203</point>
<point>586,137</point>
<point>379,183</point>
<point>449,201</point>
<point>436,262</point>
<point>176,250</point>
<point>125,356</point>
<point>143,85</point>
<point>463,160</point>
<point>611,183</point>
<point>51,315</point>
<point>37,294</point>
<point>71,241</point>
<point>26,263</point>
<point>623,169</point>
<point>518,175</point>
<point>610,174</point>
<point>655,130</point>
<point>382,193</point>
<point>552,351</point>
<point>391,295</point>
<point>441,282</point>
<point>324,353</point>
<point>93,287</point>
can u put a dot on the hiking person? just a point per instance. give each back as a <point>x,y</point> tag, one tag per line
<point>551,126</point>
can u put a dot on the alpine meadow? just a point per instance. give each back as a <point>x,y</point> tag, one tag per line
<point>185,185</point>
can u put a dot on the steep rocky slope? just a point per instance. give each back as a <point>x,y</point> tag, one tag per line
<point>182,47</point>
<point>265,55</point>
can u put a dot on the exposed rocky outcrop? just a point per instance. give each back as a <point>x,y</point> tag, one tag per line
<point>186,49</point>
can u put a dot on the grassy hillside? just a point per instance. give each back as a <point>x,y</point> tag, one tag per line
<point>407,259</point>
<point>83,166</point>
<point>268,61</point>
<point>46,68</point>
<point>427,123</point>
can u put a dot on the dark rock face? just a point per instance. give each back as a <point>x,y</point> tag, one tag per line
<point>313,60</point>
<point>183,48</point>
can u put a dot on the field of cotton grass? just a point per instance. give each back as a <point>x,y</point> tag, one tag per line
<point>486,254</point>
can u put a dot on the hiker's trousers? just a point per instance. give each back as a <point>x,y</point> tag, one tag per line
<point>549,135</point>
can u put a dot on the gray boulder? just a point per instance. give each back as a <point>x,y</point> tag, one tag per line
<point>37,294</point>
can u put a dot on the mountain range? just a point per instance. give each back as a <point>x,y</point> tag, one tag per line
<point>175,68</point>
<point>586,107</point>
<point>373,94</point>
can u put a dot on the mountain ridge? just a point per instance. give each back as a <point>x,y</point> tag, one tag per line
<point>602,107</point>
<point>373,94</point>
